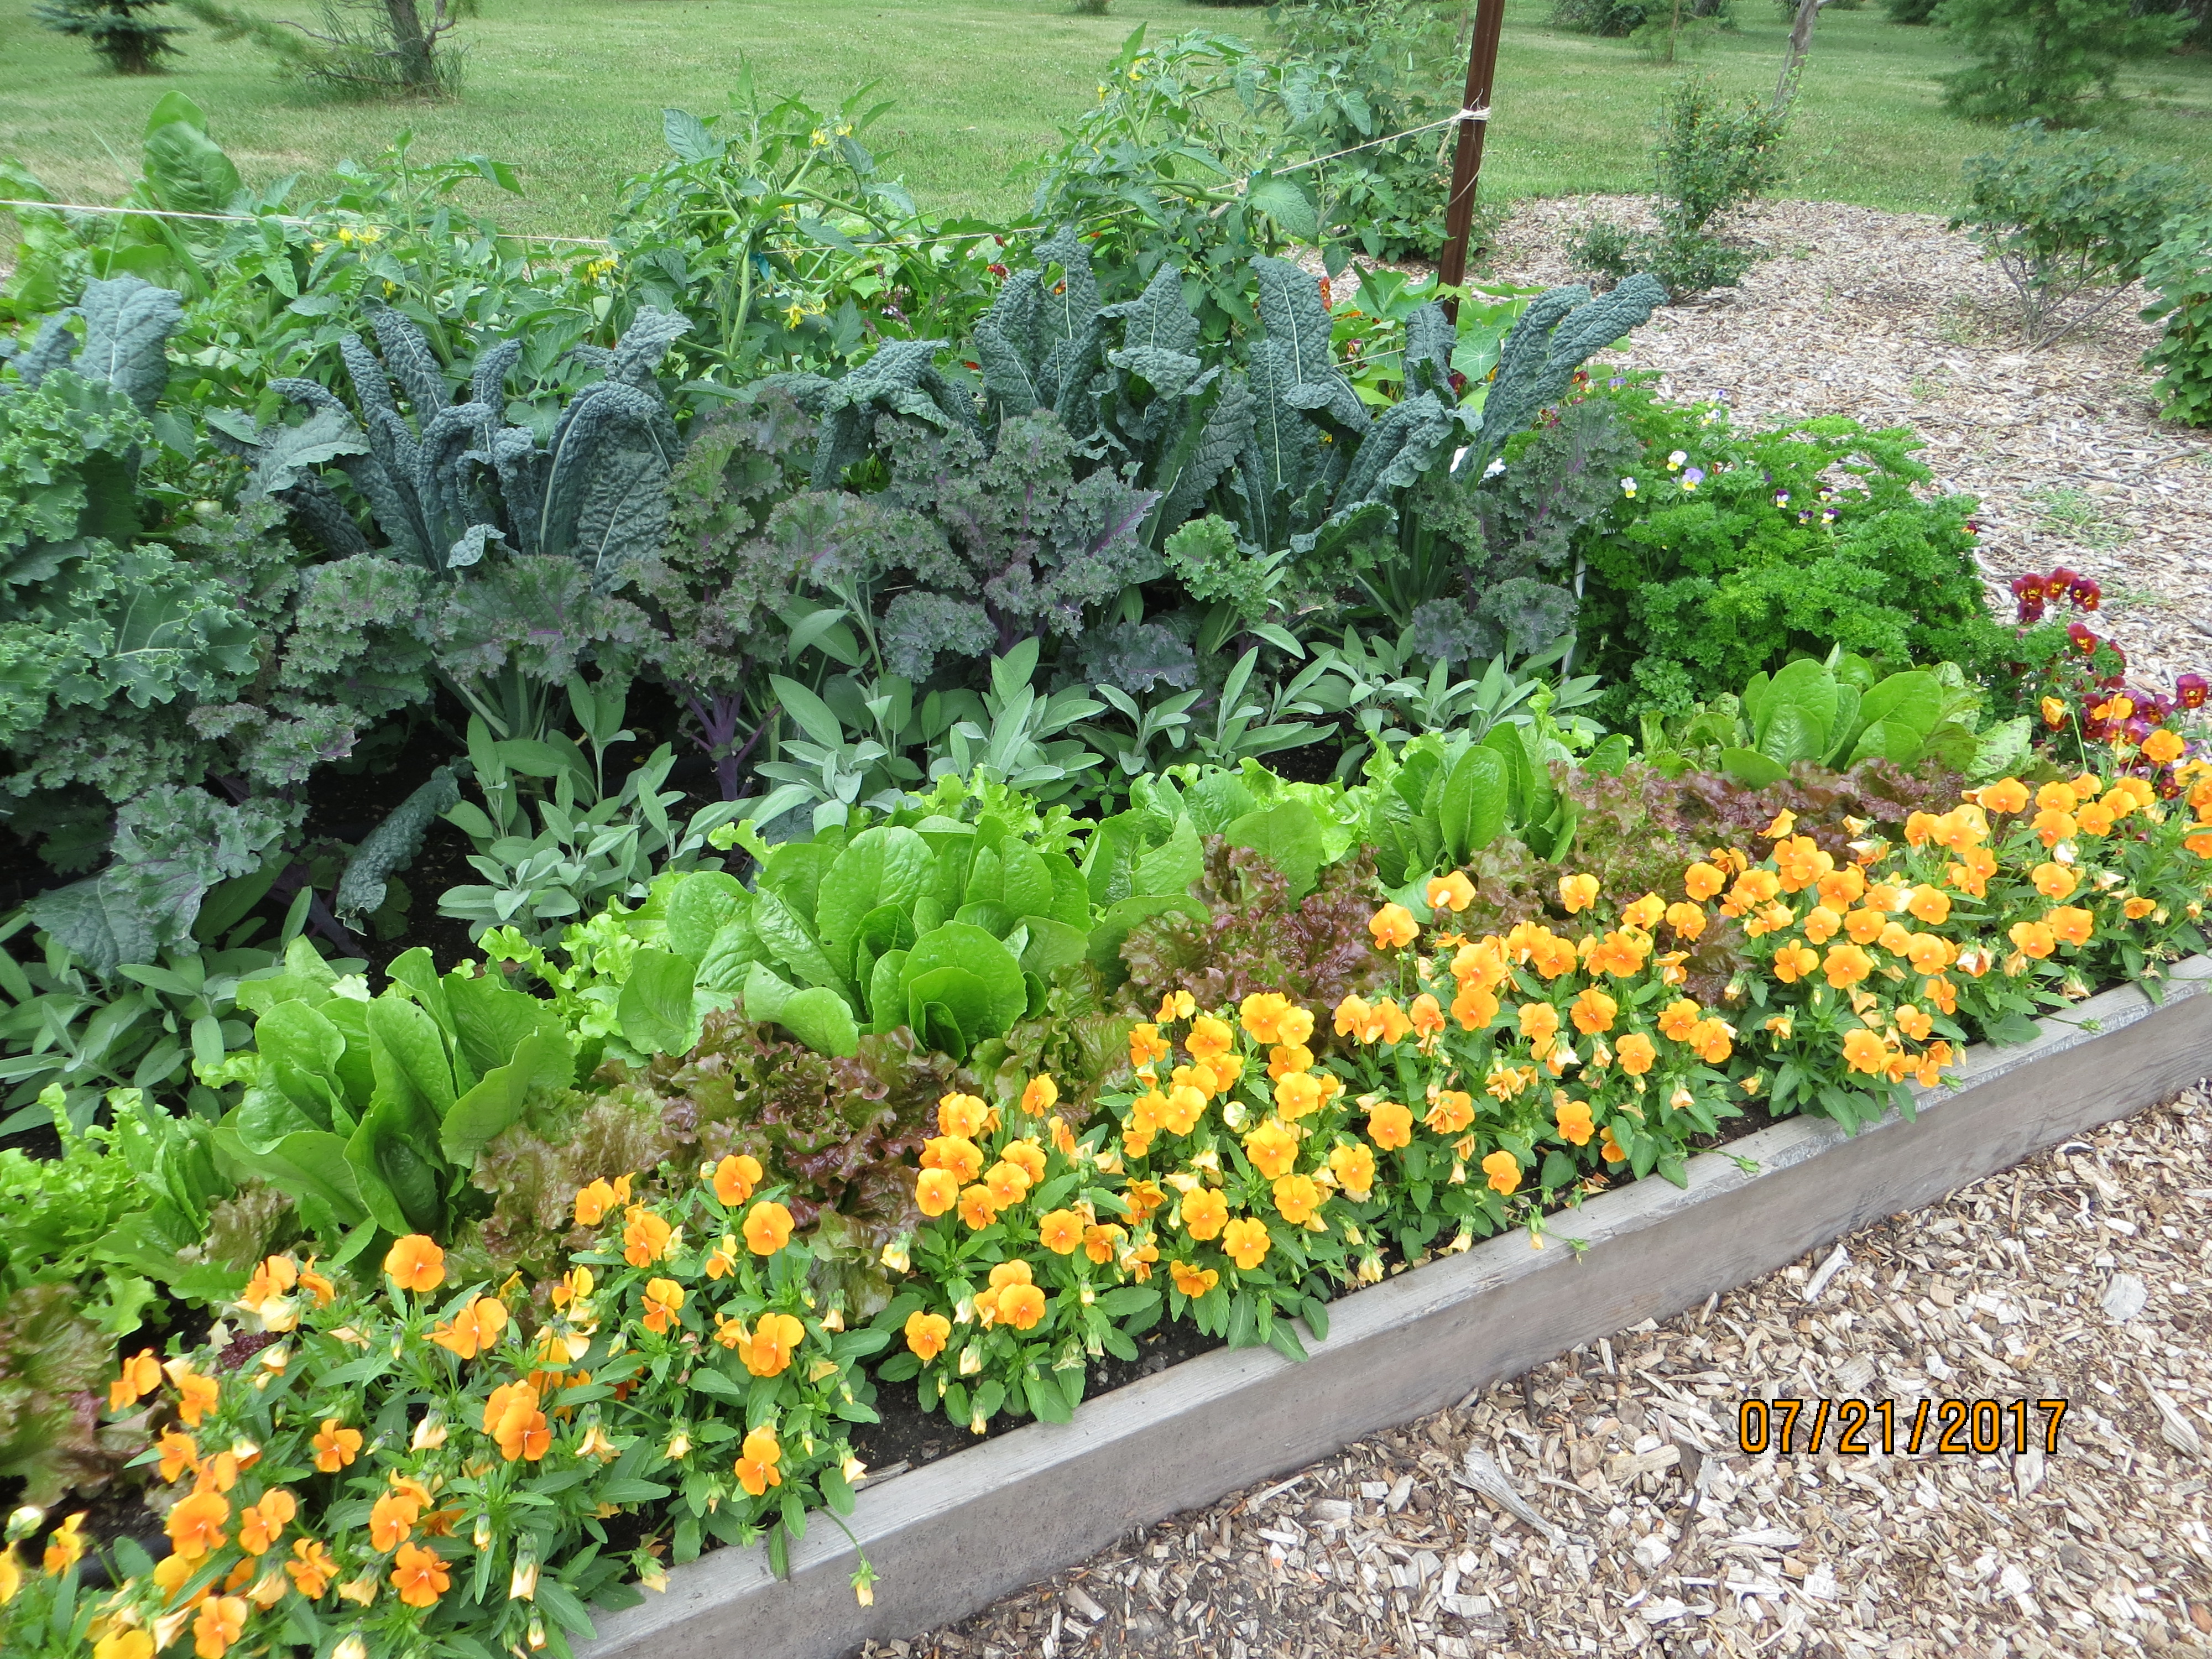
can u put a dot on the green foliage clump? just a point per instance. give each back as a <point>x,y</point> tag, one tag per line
<point>2179,272</point>
<point>2052,60</point>
<point>1708,160</point>
<point>127,40</point>
<point>1735,553</point>
<point>2070,222</point>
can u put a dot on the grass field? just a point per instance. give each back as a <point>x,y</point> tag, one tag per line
<point>571,92</point>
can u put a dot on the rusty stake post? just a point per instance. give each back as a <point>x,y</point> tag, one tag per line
<point>1466,157</point>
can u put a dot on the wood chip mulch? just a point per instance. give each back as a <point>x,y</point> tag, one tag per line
<point>1895,320</point>
<point>1602,1504</point>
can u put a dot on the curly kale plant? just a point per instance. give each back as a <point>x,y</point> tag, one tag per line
<point>1736,552</point>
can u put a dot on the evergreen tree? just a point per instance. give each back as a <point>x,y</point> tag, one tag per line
<point>2051,59</point>
<point>131,43</point>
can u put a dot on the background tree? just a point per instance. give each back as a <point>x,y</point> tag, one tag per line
<point>2052,59</point>
<point>131,42</point>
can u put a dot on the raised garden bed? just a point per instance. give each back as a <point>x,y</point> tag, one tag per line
<point>952,1537</point>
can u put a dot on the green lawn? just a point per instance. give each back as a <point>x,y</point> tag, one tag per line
<point>571,91</point>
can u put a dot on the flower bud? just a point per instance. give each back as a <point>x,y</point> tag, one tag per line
<point>522,1583</point>
<point>24,1521</point>
<point>679,1445</point>
<point>971,1359</point>
<point>536,1636</point>
<point>654,1577</point>
<point>895,1257</point>
<point>481,1537</point>
<point>430,1432</point>
<point>352,1648</point>
<point>853,1470</point>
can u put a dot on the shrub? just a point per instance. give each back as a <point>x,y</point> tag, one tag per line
<point>2070,222</point>
<point>1910,11</point>
<point>1708,161</point>
<point>1734,554</point>
<point>2180,272</point>
<point>2051,59</point>
<point>131,41</point>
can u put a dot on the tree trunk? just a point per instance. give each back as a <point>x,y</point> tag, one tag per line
<point>1800,44</point>
<point>411,45</point>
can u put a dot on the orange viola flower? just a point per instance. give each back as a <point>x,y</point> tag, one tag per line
<point>392,1519</point>
<point>1394,927</point>
<point>1101,1239</point>
<point>1353,1166</point>
<point>767,1228</point>
<point>1577,893</point>
<point>964,1115</point>
<point>1594,1011</point>
<point>977,1208</point>
<point>1636,1053</point>
<point>927,1334</point>
<point>768,1352</point>
<point>957,1155</point>
<point>2135,910</point>
<point>1687,920</point>
<point>196,1394</point>
<point>1007,1182</point>
<point>414,1263</point>
<point>1273,1149</point>
<point>1930,904</point>
<point>1944,994</point>
<point>1297,1094</point>
<point>1021,1306</point>
<point>1540,1023</point>
<point>2006,795</point>
<point>1914,1023</point>
<point>1260,1014</point>
<point>1060,1231</point>
<point>2163,746</point>
<point>2034,939</point>
<point>1191,1281</point>
<point>757,1460</point>
<point>1453,892</point>
<point>1426,1016</point>
<point>1391,1019</point>
<point>1474,1007</point>
<point>1451,1111</point>
<point>1845,965</point>
<point>1865,1052</point>
<point>1573,1119</point>
<point>663,1300</point>
<point>936,1191</point>
<point>196,1524</point>
<point>1389,1125</point>
<point>1204,1213</point>
<point>2053,826</point>
<point>1677,1019</point>
<point>419,1576</point>
<point>646,1237</point>
<point>735,1177</point>
<point>2053,881</point>
<point>1822,924</point>
<point>1620,954</point>
<point>1929,953</point>
<point>593,1201</point>
<point>179,1452</point>
<point>1610,1147</point>
<point>1245,1241</point>
<point>1504,1171</point>
<point>260,1525</point>
<point>220,1622</point>
<point>1296,1197</point>
<point>335,1447</point>
<point>2096,818</point>
<point>1702,881</point>
<point>1147,1046</point>
<point>1208,1036</point>
<point>2070,924</point>
<point>474,1330</point>
<point>140,1376</point>
<point>312,1568</point>
<point>1711,1040</point>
